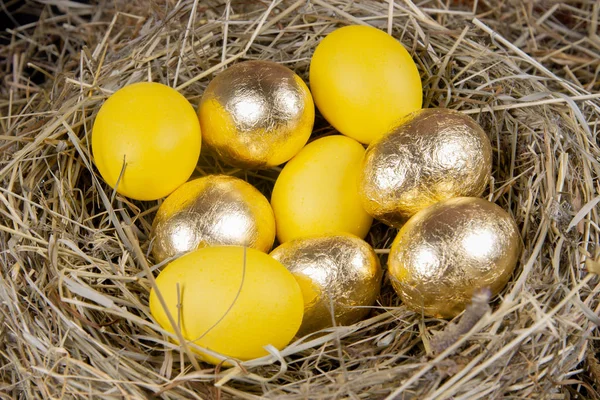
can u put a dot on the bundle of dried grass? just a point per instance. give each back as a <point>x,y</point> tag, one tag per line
<point>74,320</point>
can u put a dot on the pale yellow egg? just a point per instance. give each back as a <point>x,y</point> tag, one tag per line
<point>231,300</point>
<point>317,191</point>
<point>363,80</point>
<point>146,140</point>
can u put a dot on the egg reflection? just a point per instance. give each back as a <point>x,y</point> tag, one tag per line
<point>480,244</point>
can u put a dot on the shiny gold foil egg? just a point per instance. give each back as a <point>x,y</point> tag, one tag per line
<point>339,275</point>
<point>446,252</point>
<point>429,156</point>
<point>210,211</point>
<point>256,114</point>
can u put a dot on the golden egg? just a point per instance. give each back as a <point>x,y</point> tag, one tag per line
<point>210,211</point>
<point>339,276</point>
<point>256,114</point>
<point>430,156</point>
<point>446,252</point>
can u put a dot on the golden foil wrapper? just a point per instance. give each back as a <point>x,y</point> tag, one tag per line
<point>430,156</point>
<point>256,114</point>
<point>340,277</point>
<point>210,211</point>
<point>446,252</point>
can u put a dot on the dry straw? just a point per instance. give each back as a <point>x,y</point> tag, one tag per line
<point>74,320</point>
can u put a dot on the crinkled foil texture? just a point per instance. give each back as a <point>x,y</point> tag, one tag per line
<point>446,252</point>
<point>209,211</point>
<point>256,111</point>
<point>339,273</point>
<point>430,156</point>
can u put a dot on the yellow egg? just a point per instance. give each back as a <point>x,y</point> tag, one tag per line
<point>229,306</point>
<point>154,131</point>
<point>256,114</point>
<point>363,80</point>
<point>210,211</point>
<point>317,191</point>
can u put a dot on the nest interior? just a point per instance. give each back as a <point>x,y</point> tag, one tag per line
<point>74,317</point>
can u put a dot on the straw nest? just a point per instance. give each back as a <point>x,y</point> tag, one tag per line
<point>74,318</point>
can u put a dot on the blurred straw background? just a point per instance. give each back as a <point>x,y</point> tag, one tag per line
<point>74,321</point>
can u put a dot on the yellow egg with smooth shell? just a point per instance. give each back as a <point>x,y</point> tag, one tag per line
<point>210,211</point>
<point>154,131</point>
<point>256,114</point>
<point>363,80</point>
<point>229,306</point>
<point>317,191</point>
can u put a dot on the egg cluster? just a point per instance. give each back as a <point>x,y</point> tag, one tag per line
<point>423,171</point>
